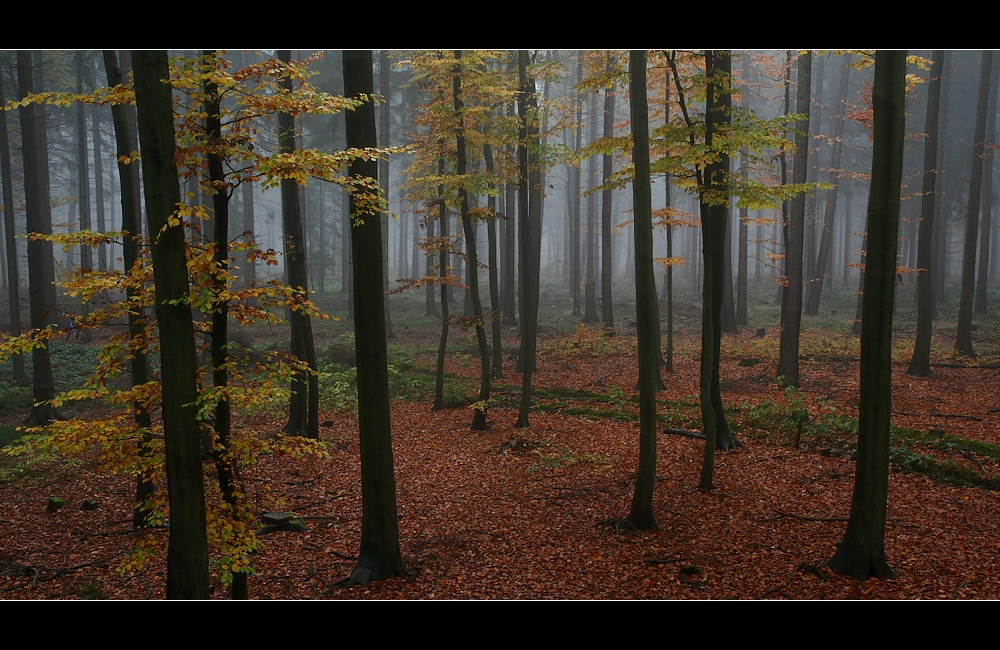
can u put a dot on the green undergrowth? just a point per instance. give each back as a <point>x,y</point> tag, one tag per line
<point>942,458</point>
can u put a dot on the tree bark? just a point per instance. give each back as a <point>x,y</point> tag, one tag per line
<point>963,332</point>
<point>128,172</point>
<point>38,219</point>
<point>379,557</point>
<point>861,553</point>
<point>20,375</point>
<point>791,296</point>
<point>641,515</point>
<point>920,362</point>
<point>303,406</point>
<point>187,551</point>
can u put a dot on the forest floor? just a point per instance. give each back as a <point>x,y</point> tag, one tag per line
<point>535,513</point>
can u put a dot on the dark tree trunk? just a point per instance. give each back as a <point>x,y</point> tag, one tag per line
<point>607,313</point>
<point>471,257</point>
<point>41,272</point>
<point>920,362</point>
<point>815,286</point>
<point>126,143</point>
<point>590,271</point>
<point>495,325</point>
<point>791,297</point>
<point>529,211</point>
<point>641,514</point>
<point>379,557</point>
<point>445,308</point>
<point>963,332</point>
<point>20,375</point>
<point>303,406</point>
<point>187,551</point>
<point>861,553</point>
<point>225,466</point>
<point>714,205</point>
<point>986,220</point>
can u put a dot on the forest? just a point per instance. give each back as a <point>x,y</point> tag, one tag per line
<point>497,324</point>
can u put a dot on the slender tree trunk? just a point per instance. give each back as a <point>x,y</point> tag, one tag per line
<point>225,466</point>
<point>590,272</point>
<point>641,514</point>
<point>41,271</point>
<point>920,362</point>
<point>495,317</point>
<point>529,211</point>
<point>126,142</point>
<point>445,315</point>
<point>303,406</point>
<point>963,333</point>
<point>379,557</point>
<point>607,313</point>
<point>985,224</point>
<point>472,258</point>
<point>791,301</point>
<point>861,553</point>
<point>187,550</point>
<point>20,375</point>
<point>815,286</point>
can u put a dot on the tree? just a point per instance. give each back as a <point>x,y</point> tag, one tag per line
<point>303,406</point>
<point>861,553</point>
<point>10,242</point>
<point>714,196</point>
<point>815,286</point>
<point>791,296</point>
<point>379,557</point>
<point>41,272</point>
<point>128,172</point>
<point>963,332</point>
<point>187,552</point>
<point>530,228</point>
<point>472,259</point>
<point>607,313</point>
<point>647,309</point>
<point>920,362</point>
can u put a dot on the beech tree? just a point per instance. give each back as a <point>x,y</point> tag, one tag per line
<point>20,375</point>
<point>38,220</point>
<point>379,557</point>
<point>963,332</point>
<point>303,406</point>
<point>641,514</point>
<point>187,550</point>
<point>861,553</point>
<point>920,362</point>
<point>128,172</point>
<point>791,296</point>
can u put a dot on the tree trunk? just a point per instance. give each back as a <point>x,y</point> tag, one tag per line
<point>128,172</point>
<point>791,300</point>
<point>607,313</point>
<point>471,257</point>
<point>20,375</point>
<point>641,514</point>
<point>815,286</point>
<point>714,207</point>
<point>963,333</point>
<point>303,406</point>
<point>41,271</point>
<point>529,211</point>
<point>920,362</point>
<point>861,553</point>
<point>187,550</point>
<point>379,557</point>
<point>985,225</point>
<point>590,271</point>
